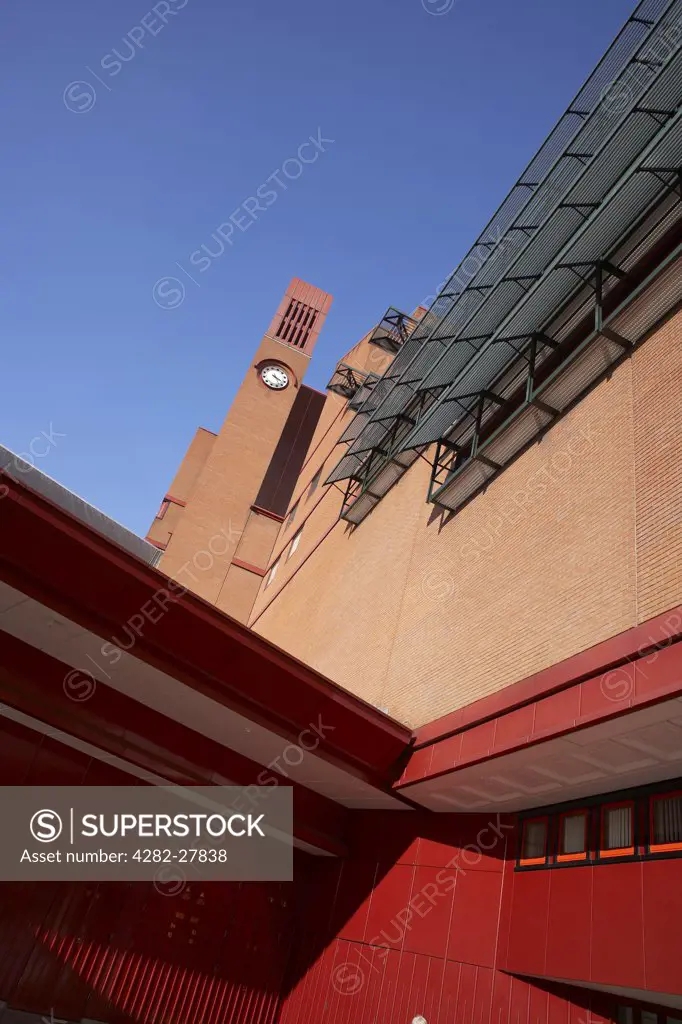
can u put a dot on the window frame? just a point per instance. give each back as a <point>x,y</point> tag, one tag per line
<point>531,861</point>
<point>652,846</point>
<point>622,851</point>
<point>567,858</point>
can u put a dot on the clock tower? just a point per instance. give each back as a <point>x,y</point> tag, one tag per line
<point>218,522</point>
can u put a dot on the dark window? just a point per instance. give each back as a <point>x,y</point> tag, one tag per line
<point>573,836</point>
<point>617,830</point>
<point>534,841</point>
<point>666,822</point>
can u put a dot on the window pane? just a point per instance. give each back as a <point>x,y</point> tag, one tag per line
<point>649,1018</point>
<point>617,828</point>
<point>668,819</point>
<point>624,1015</point>
<point>272,573</point>
<point>534,840</point>
<point>573,834</point>
<point>295,542</point>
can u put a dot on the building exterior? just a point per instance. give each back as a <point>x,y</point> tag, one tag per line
<point>459,569</point>
<point>231,489</point>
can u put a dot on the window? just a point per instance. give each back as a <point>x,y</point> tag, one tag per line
<point>624,1015</point>
<point>295,542</point>
<point>613,826</point>
<point>573,836</point>
<point>617,833</point>
<point>315,481</point>
<point>272,573</point>
<point>292,514</point>
<point>666,823</point>
<point>165,505</point>
<point>534,841</point>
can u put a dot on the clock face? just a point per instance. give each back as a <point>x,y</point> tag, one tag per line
<point>274,377</point>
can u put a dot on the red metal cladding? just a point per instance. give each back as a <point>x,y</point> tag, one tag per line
<point>619,650</point>
<point>381,936</point>
<point>126,953</point>
<point>646,680</point>
<point>31,682</point>
<point>351,984</point>
<point>58,561</point>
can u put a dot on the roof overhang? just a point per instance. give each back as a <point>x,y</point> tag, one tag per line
<point>607,719</point>
<point>177,687</point>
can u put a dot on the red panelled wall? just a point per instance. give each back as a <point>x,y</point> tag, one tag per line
<point>410,926</point>
<point>610,924</point>
<point>427,916</point>
<point>173,952</point>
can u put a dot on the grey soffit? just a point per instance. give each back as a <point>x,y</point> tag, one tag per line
<point>46,487</point>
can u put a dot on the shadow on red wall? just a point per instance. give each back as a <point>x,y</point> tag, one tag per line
<point>426,917</point>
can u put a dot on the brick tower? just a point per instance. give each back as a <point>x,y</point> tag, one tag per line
<point>232,488</point>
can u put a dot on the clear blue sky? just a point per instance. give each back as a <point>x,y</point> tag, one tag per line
<point>432,117</point>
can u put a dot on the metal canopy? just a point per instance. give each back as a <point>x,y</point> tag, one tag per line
<point>346,380</point>
<point>363,393</point>
<point>464,465</point>
<point>393,330</point>
<point>611,158</point>
<point>567,276</point>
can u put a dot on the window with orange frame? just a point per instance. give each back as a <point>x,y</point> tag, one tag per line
<point>665,822</point>
<point>617,830</point>
<point>534,841</point>
<point>573,832</point>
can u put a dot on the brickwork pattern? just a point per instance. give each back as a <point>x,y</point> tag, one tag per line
<point>231,477</point>
<point>422,613</point>
<point>657,375</point>
<point>161,530</point>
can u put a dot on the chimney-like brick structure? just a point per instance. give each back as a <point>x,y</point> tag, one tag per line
<point>224,477</point>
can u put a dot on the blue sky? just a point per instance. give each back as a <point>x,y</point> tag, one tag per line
<point>116,170</point>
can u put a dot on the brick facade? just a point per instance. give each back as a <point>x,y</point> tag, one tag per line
<point>173,505</point>
<point>421,612</point>
<point>223,480</point>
